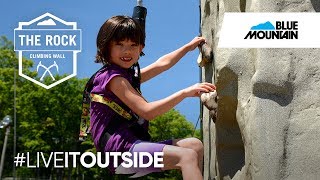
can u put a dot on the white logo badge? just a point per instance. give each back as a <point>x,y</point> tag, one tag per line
<point>270,30</point>
<point>52,44</point>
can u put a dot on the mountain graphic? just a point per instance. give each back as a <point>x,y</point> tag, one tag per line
<point>263,26</point>
<point>48,22</point>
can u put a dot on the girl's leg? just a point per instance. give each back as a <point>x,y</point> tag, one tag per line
<point>185,159</point>
<point>191,143</point>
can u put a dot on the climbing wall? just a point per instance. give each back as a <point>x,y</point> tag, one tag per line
<point>268,122</point>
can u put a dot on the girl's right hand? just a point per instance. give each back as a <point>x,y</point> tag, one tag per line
<point>197,89</point>
<point>195,42</point>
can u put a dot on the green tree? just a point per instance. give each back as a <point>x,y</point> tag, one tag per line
<point>47,120</point>
<point>8,65</point>
<point>171,125</point>
<point>50,121</point>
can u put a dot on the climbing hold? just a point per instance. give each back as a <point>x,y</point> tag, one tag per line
<point>206,54</point>
<point>210,101</point>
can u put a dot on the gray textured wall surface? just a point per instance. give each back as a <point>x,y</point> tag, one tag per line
<point>268,124</point>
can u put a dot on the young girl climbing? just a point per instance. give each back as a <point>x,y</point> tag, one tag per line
<point>120,114</point>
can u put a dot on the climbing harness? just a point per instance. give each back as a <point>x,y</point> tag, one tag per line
<point>124,118</point>
<point>114,106</point>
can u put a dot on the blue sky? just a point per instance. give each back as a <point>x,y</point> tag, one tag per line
<point>169,25</point>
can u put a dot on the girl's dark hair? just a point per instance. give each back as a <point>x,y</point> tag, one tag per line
<point>117,28</point>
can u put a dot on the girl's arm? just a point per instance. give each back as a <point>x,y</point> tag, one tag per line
<point>167,61</point>
<point>149,110</point>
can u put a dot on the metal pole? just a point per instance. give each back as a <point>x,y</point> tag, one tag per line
<point>139,3</point>
<point>4,149</point>
<point>14,122</point>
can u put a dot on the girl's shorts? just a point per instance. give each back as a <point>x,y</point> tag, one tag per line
<point>143,146</point>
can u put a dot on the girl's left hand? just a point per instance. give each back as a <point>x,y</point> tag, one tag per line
<point>199,88</point>
<point>195,42</point>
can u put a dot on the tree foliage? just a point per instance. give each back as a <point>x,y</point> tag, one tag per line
<point>172,125</point>
<point>48,120</point>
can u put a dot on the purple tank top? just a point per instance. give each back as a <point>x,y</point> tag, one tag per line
<point>101,115</point>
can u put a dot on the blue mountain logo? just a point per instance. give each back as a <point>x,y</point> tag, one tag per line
<point>266,30</point>
<point>263,26</point>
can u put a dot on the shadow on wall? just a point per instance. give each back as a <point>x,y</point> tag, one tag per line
<point>229,144</point>
<point>316,5</point>
<point>281,95</point>
<point>243,5</point>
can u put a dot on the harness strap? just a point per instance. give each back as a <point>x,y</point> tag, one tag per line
<point>85,122</point>
<point>87,98</point>
<point>85,116</point>
<point>113,105</point>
